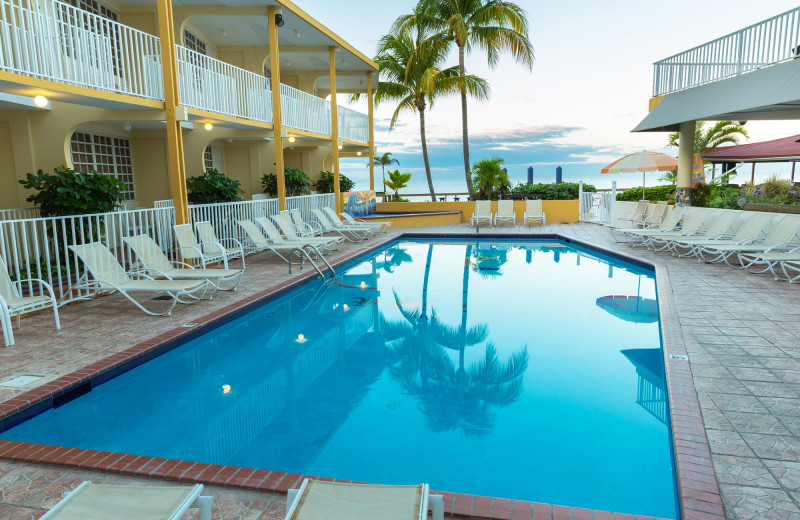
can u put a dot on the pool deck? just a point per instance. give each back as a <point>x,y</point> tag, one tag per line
<point>741,333</point>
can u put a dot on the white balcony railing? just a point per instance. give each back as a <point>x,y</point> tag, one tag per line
<point>58,42</point>
<point>304,111</point>
<point>215,86</point>
<point>353,125</point>
<point>765,43</point>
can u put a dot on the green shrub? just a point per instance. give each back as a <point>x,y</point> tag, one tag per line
<point>212,187</point>
<point>653,194</point>
<point>295,179</point>
<point>724,198</point>
<point>701,195</point>
<point>325,183</point>
<point>775,187</point>
<point>553,191</point>
<point>489,179</point>
<point>67,192</point>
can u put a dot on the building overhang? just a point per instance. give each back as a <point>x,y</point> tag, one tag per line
<point>772,93</point>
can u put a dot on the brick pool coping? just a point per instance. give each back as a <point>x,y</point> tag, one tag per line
<point>697,483</point>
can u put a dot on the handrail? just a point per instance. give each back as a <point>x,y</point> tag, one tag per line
<point>213,85</point>
<point>65,44</point>
<point>304,111</point>
<point>353,125</point>
<point>768,42</point>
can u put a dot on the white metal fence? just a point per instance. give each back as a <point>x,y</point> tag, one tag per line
<point>213,85</point>
<point>38,247</point>
<point>305,111</point>
<point>19,213</point>
<point>59,42</point>
<point>764,43</point>
<point>596,207</point>
<point>353,125</point>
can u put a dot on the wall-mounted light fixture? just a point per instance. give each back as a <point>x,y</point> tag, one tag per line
<point>208,126</point>
<point>40,101</point>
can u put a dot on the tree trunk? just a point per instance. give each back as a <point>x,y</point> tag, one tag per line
<point>424,311</point>
<point>464,304</point>
<point>425,152</point>
<point>464,129</point>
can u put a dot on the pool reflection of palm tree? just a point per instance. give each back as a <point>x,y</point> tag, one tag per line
<point>394,257</point>
<point>488,260</point>
<point>453,396</point>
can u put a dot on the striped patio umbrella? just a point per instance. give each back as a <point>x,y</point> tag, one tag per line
<point>644,162</point>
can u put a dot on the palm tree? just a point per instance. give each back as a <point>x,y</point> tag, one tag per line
<point>396,181</point>
<point>490,179</point>
<point>383,161</point>
<point>706,139</point>
<point>409,61</point>
<point>493,26</point>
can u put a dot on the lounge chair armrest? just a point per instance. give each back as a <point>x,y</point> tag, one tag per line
<point>47,286</point>
<point>236,243</point>
<point>182,265</point>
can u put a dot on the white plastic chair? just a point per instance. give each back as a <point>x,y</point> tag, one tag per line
<point>483,213</point>
<point>533,212</point>
<point>505,212</point>
<point>13,304</point>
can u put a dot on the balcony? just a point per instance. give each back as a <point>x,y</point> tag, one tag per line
<point>212,85</point>
<point>766,43</point>
<point>57,42</point>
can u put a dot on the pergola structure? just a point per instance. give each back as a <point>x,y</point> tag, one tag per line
<point>783,150</point>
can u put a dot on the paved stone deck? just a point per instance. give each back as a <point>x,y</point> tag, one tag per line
<point>741,331</point>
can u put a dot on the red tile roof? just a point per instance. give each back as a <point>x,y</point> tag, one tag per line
<point>784,148</point>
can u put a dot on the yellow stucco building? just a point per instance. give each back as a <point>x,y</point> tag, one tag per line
<point>153,92</point>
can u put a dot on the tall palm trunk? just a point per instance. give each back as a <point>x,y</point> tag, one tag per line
<point>464,304</point>
<point>464,128</point>
<point>424,311</point>
<point>421,110</point>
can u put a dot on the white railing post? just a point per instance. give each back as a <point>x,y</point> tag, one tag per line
<point>581,207</point>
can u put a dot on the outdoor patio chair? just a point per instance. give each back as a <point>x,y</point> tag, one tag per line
<point>108,276</point>
<point>671,223</point>
<point>190,249</point>
<point>505,212</point>
<point>230,247</point>
<point>313,227</point>
<point>693,223</point>
<point>791,270</point>
<point>130,502</point>
<point>302,230</point>
<point>483,213</point>
<point>154,262</point>
<point>351,234</point>
<point>723,227</point>
<point>13,304</point>
<point>291,236</point>
<point>533,212</point>
<point>655,214</point>
<point>634,218</point>
<point>262,243</point>
<point>768,260</point>
<point>775,235</point>
<point>337,222</point>
<point>382,225</point>
<point>347,501</point>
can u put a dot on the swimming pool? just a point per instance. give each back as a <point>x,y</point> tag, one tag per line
<point>519,369</point>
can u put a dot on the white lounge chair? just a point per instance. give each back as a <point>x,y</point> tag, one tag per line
<point>230,247</point>
<point>312,227</point>
<point>505,212</point>
<point>763,261</point>
<point>109,276</point>
<point>634,218</point>
<point>670,224</point>
<point>781,236</point>
<point>129,502</point>
<point>483,213</point>
<point>724,227</point>
<point>346,501</point>
<point>350,234</point>
<point>384,225</point>
<point>694,223</point>
<point>533,212</point>
<point>337,222</point>
<point>190,249</point>
<point>290,234</point>
<point>156,264</point>
<point>13,304</point>
<point>372,229</point>
<point>262,243</point>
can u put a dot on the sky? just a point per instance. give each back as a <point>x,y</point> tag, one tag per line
<point>590,85</point>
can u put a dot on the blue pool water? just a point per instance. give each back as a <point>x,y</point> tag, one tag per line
<point>526,370</point>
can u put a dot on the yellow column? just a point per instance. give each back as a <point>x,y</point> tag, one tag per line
<point>683,191</point>
<point>275,66</point>
<point>335,129</point>
<point>371,141</point>
<point>169,61</point>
